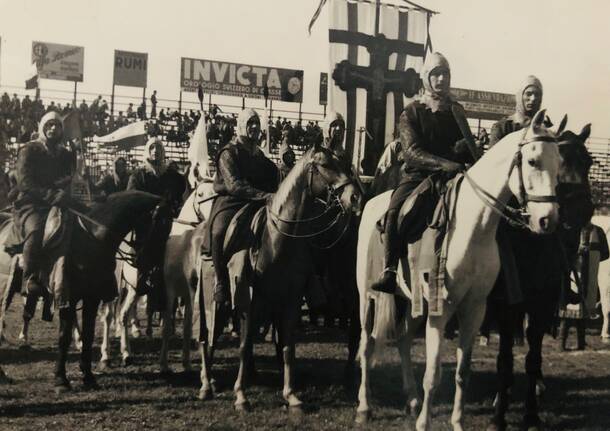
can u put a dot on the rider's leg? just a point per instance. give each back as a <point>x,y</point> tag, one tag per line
<point>33,231</point>
<point>221,222</point>
<point>391,247</point>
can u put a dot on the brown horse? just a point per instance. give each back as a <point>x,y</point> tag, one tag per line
<point>282,266</point>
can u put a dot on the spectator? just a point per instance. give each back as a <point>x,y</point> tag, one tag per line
<point>483,139</point>
<point>114,181</point>
<point>142,111</point>
<point>153,102</point>
<point>162,116</point>
<point>130,113</point>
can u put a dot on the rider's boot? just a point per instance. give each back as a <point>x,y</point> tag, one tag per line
<point>387,280</point>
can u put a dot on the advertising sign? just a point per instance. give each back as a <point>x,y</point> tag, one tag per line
<point>56,61</point>
<point>323,88</point>
<point>130,68</point>
<point>486,105</point>
<point>234,79</point>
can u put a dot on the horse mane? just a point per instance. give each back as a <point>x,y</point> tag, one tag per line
<point>122,206</point>
<point>288,184</point>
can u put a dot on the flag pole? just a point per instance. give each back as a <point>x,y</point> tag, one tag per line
<point>74,99</point>
<point>112,101</point>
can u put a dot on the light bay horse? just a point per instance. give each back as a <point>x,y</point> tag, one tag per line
<point>472,262</point>
<point>195,209</point>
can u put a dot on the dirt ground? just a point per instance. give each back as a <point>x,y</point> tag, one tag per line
<point>138,397</point>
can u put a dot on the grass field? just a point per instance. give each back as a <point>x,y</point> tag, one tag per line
<point>137,397</point>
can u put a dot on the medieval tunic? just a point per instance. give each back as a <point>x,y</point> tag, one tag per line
<point>424,133</point>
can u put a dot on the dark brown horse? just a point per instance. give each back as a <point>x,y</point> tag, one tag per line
<point>542,266</point>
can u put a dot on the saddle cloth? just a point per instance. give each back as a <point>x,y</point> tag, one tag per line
<point>422,273</point>
<point>54,232</point>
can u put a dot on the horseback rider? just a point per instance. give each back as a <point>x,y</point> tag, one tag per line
<point>287,159</point>
<point>147,178</point>
<point>115,181</point>
<point>528,101</point>
<point>243,174</point>
<point>432,143</point>
<point>43,172</point>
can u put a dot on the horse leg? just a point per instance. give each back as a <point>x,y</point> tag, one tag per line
<point>76,335</point>
<point>29,309</point>
<point>107,316</point>
<point>504,364</point>
<point>133,320</point>
<point>124,315</point>
<point>604,295</point>
<point>367,347</point>
<point>353,340</point>
<point>408,379</point>
<point>90,307</point>
<point>245,345</point>
<point>287,328</point>
<point>432,377</point>
<point>166,334</point>
<point>533,370</point>
<point>187,334</point>
<point>66,320</point>
<point>471,312</point>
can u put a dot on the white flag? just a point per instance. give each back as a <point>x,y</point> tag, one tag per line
<point>198,151</point>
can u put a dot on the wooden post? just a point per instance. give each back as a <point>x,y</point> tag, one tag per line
<point>210,102</point>
<point>112,102</point>
<point>180,102</point>
<point>300,106</point>
<point>74,99</point>
<point>243,102</point>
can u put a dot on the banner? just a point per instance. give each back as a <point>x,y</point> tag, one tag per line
<point>56,61</point>
<point>125,138</point>
<point>130,68</point>
<point>323,88</point>
<point>485,105</point>
<point>241,80</point>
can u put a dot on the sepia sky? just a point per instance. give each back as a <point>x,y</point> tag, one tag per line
<point>491,44</point>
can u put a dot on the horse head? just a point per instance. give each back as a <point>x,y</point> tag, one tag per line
<point>331,176</point>
<point>534,176</point>
<point>573,190</point>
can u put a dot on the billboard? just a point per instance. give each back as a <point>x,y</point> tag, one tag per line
<point>130,68</point>
<point>323,88</point>
<point>485,105</point>
<point>57,61</point>
<point>235,79</point>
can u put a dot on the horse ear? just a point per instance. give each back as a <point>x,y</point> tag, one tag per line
<point>538,120</point>
<point>585,132</point>
<point>562,125</point>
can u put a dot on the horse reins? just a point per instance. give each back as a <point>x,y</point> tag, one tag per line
<point>333,202</point>
<point>515,216</point>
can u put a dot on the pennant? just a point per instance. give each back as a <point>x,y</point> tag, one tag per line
<point>125,138</point>
<point>316,15</point>
<point>198,152</point>
<point>32,81</point>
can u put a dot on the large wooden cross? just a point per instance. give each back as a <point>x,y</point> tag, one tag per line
<point>377,80</point>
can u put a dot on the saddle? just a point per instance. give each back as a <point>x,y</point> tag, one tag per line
<point>423,221</point>
<point>54,232</point>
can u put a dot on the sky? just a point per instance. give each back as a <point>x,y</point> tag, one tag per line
<point>491,44</point>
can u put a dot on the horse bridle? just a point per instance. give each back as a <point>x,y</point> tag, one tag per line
<point>515,216</point>
<point>332,202</point>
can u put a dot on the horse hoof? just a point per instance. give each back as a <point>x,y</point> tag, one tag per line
<point>295,411</point>
<point>244,407</point>
<point>135,333</point>
<point>103,365</point>
<point>90,384</point>
<point>363,418</point>
<point>62,386</point>
<point>207,394</point>
<point>166,372</point>
<point>127,362</point>
<point>413,408</point>
<point>605,340</point>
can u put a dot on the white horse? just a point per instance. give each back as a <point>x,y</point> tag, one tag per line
<point>195,207</point>
<point>603,279</point>
<point>472,262</point>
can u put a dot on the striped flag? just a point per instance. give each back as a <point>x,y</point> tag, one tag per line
<point>351,25</point>
<point>32,81</point>
<point>125,138</point>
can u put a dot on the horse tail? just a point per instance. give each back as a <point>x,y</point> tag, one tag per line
<point>384,326</point>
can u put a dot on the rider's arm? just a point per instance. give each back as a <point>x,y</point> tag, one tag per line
<point>415,155</point>
<point>233,181</point>
<point>25,174</point>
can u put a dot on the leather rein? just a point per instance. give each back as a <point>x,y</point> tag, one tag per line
<point>332,203</point>
<point>515,216</point>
